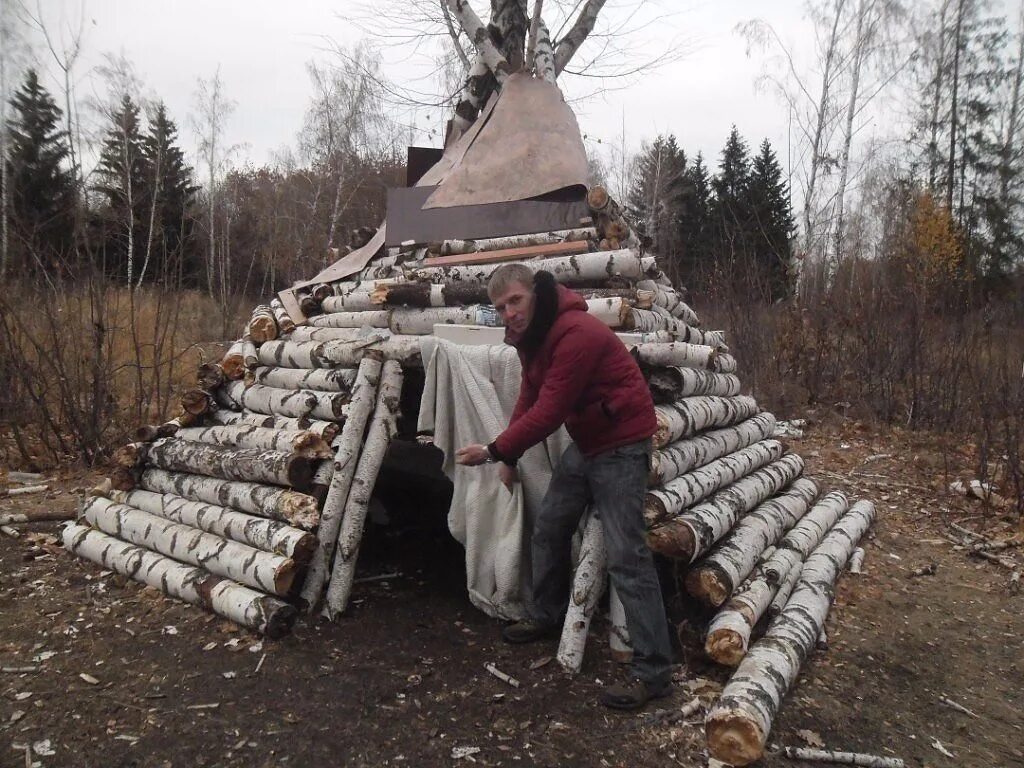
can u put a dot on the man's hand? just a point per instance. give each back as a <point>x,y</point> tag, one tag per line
<point>473,455</point>
<point>509,476</point>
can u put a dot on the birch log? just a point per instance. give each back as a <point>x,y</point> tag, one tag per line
<point>647,320</point>
<point>841,758</point>
<point>34,515</point>
<point>588,585</point>
<point>480,37</point>
<point>695,414</point>
<point>807,534</point>
<point>306,333</point>
<point>425,295</point>
<point>719,574</point>
<point>233,362</point>
<point>246,607</point>
<point>295,403</point>
<point>677,354</point>
<point>579,269</point>
<point>420,322</point>
<point>292,354</point>
<point>781,596</point>
<point>686,455</point>
<point>248,464</point>
<point>209,376</point>
<point>857,560</point>
<point>320,379</point>
<point>260,570</point>
<point>670,384</point>
<point>147,433</point>
<point>672,302</point>
<point>364,393</point>
<point>382,430</point>
<point>403,349</point>
<point>249,354</point>
<point>618,638</point>
<point>196,402</point>
<point>684,491</point>
<point>257,532</point>
<point>354,301</point>
<point>296,509</point>
<point>284,321</point>
<point>693,533</point>
<point>738,725</point>
<point>299,442</point>
<point>376,318</point>
<point>458,247</point>
<point>262,325</point>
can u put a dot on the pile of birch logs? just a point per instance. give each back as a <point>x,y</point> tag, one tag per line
<point>252,501</point>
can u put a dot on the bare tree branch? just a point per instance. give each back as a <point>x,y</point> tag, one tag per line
<point>583,26</point>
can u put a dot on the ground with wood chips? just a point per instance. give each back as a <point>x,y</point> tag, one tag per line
<point>122,677</point>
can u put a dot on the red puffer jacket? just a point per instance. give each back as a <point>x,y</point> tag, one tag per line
<point>583,376</point>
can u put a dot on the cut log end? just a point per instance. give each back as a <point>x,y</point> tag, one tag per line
<point>725,646</point>
<point>672,540</point>
<point>279,618</point>
<point>733,739</point>
<point>709,585</point>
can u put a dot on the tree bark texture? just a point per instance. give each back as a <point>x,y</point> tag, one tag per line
<point>420,322</point>
<point>196,402</point>
<point>354,301</point>
<point>328,430</point>
<point>295,441</point>
<point>262,325</point>
<point>544,57</point>
<point>246,607</point>
<point>694,414</point>
<point>296,509</point>
<point>349,444</point>
<point>233,361</point>
<point>588,585</point>
<point>738,725</point>
<point>675,354</point>
<point>382,430</point>
<point>670,384</point>
<point>305,334</point>
<point>807,534</point>
<point>686,490</point>
<point>841,758</point>
<point>374,318</point>
<point>257,532</point>
<point>648,320</point>
<point>296,403</point>
<point>686,455</point>
<point>669,300</point>
<point>458,247</point>
<point>481,39</point>
<point>284,321</point>
<point>722,571</point>
<point>320,379</point>
<point>404,349</point>
<point>260,570</point>
<point>246,464</point>
<point>568,270</point>
<point>693,533</point>
<point>294,353</point>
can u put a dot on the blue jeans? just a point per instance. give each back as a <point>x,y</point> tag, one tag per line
<point>615,483</point>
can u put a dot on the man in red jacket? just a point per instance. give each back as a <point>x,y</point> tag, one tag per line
<point>577,372</point>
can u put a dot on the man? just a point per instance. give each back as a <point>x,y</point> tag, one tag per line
<point>576,371</point>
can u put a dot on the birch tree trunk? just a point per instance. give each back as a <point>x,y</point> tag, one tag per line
<point>695,414</point>
<point>260,570</point>
<point>353,301</point>
<point>246,464</point>
<point>420,322</point>
<point>296,403</point>
<point>569,270</point>
<point>382,430</point>
<point>693,533</point>
<point>781,597</point>
<point>246,607</point>
<point>668,385</point>
<point>305,334</point>
<point>296,353</point>
<point>296,509</point>
<point>375,318</point>
<point>588,585</point>
<point>738,725</point>
<point>686,455</point>
<point>676,354</point>
<point>481,39</point>
<point>718,574</point>
<point>803,537</point>
<point>544,59</point>
<point>686,490</point>
<point>647,320</point>
<point>403,349</point>
<point>574,38</point>
<point>299,442</point>
<point>322,379</point>
<point>257,532</point>
<point>364,393</point>
<point>474,95</point>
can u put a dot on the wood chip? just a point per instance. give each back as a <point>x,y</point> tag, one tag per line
<point>501,675</point>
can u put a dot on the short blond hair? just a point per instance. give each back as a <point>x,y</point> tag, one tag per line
<point>507,274</point>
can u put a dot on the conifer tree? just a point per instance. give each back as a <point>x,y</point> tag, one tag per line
<point>655,200</point>
<point>771,221</point>
<point>730,213</point>
<point>42,186</point>
<point>694,221</point>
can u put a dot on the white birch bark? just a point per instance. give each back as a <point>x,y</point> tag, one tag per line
<point>305,334</point>
<point>353,301</point>
<point>687,489</point>
<point>676,354</point>
<point>375,318</point>
<point>669,300</point>
<point>670,384</point>
<point>300,442</point>
<point>233,361</point>
<point>695,414</point>
<point>693,533</point>
<point>648,320</point>
<point>812,527</point>
<point>738,725</point>
<point>284,321</point>
<point>257,532</point>
<point>459,247</point>
<point>295,353</point>
<point>686,455</point>
<point>249,355</point>
<point>618,637</point>
<point>246,607</point>
<point>420,322</point>
<point>569,270</point>
<point>296,403</point>
<point>364,393</point>
<point>262,325</point>
<point>722,571</point>
<point>857,561</point>
<point>481,39</point>
<point>781,597</point>
<point>841,758</point>
<point>574,38</point>
<point>321,379</point>
<point>260,570</point>
<point>403,349</point>
<point>470,100</point>
<point>544,57</point>
<point>250,465</point>
<point>296,509</point>
<point>588,585</point>
<point>382,430</point>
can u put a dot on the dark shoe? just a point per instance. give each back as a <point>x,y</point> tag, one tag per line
<point>527,631</point>
<point>634,694</point>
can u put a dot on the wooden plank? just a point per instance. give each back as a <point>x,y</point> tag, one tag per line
<point>510,254</point>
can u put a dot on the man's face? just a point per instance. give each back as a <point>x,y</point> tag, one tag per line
<point>515,306</point>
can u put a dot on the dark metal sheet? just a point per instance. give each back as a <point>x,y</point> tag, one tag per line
<point>420,160</point>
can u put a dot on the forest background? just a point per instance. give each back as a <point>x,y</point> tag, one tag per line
<point>882,278</point>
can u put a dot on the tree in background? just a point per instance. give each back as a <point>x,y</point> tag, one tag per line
<point>695,232</point>
<point>730,211</point>
<point>42,187</point>
<point>656,197</point>
<point>772,220</point>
